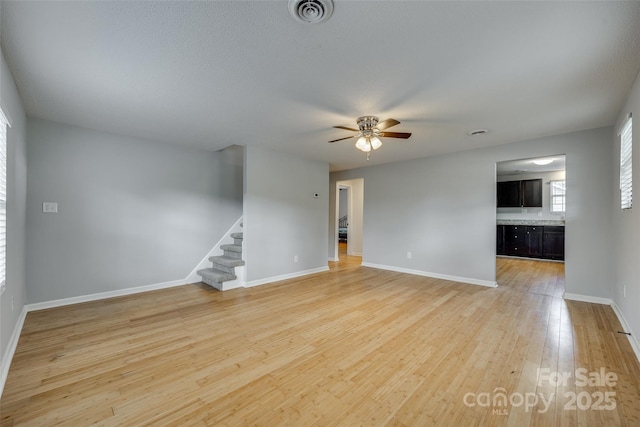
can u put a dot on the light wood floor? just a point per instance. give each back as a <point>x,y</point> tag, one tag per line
<point>353,346</point>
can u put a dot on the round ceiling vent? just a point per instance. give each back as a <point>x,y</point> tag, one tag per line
<point>311,11</point>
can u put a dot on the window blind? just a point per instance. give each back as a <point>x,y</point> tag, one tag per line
<point>558,195</point>
<point>3,198</point>
<point>626,179</point>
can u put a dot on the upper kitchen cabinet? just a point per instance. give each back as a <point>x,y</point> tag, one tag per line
<point>532,193</point>
<point>516,194</point>
<point>509,194</point>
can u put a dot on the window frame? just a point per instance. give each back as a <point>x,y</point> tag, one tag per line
<point>626,164</point>
<point>553,196</point>
<point>4,126</point>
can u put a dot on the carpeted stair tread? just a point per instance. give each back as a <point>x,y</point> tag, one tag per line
<point>237,236</point>
<point>226,261</point>
<point>231,248</point>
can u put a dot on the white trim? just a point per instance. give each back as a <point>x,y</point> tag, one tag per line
<point>7,357</point>
<point>587,298</point>
<point>193,277</point>
<point>468,280</point>
<point>336,259</point>
<point>103,295</point>
<point>4,114</point>
<point>635,345</point>
<point>355,254</point>
<point>259,282</point>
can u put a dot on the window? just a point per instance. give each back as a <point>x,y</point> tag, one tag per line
<point>626,180</point>
<point>3,199</point>
<point>558,195</point>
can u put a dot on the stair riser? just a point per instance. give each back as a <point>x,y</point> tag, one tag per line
<point>234,255</point>
<point>230,270</point>
<point>216,276</point>
<point>216,285</point>
<point>237,242</point>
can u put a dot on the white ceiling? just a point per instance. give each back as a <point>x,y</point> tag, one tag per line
<point>210,74</point>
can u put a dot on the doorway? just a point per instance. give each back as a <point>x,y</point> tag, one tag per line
<point>349,217</point>
<point>343,219</point>
<point>530,219</point>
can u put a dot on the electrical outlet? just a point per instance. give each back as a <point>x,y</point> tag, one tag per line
<point>409,255</point>
<point>295,258</point>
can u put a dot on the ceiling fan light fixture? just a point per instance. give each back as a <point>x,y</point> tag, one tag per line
<point>369,132</point>
<point>361,144</point>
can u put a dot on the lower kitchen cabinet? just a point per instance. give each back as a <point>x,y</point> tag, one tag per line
<point>532,241</point>
<point>553,242</point>
<point>515,240</point>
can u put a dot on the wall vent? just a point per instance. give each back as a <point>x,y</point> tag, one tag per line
<point>311,11</point>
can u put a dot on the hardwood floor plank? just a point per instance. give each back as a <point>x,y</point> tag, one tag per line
<point>352,346</point>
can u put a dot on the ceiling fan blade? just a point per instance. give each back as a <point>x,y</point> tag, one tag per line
<point>341,139</point>
<point>403,135</point>
<point>346,128</point>
<point>387,124</point>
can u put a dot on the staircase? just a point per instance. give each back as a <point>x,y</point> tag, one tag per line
<point>224,266</point>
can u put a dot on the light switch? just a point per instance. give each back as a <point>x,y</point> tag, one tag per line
<point>50,207</point>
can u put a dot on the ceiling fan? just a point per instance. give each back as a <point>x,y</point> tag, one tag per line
<point>370,130</point>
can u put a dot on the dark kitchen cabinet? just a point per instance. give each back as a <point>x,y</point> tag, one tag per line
<point>515,240</point>
<point>533,241</point>
<point>508,194</point>
<point>500,250</point>
<point>532,193</point>
<point>517,194</point>
<point>553,242</point>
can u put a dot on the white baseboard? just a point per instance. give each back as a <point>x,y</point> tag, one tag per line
<point>354,253</point>
<point>259,282</point>
<point>7,357</point>
<point>587,298</point>
<point>468,280</point>
<point>635,345</point>
<point>103,295</point>
<point>335,259</point>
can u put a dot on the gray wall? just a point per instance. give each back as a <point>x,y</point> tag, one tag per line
<point>281,217</point>
<point>448,204</point>
<point>16,207</point>
<point>627,222</point>
<point>131,212</point>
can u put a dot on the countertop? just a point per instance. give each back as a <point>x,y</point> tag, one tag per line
<point>530,222</point>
